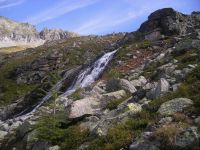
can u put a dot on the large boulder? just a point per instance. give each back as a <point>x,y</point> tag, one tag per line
<point>174,105</point>
<point>84,107</point>
<point>125,84</point>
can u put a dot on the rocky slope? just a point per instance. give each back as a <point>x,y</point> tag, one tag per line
<point>147,98</point>
<point>13,33</point>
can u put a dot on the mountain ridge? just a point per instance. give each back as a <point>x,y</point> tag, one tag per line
<point>13,33</point>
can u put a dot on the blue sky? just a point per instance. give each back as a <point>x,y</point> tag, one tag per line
<point>90,16</point>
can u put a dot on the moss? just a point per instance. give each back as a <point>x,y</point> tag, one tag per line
<point>144,44</point>
<point>186,58</point>
<point>113,104</point>
<point>190,88</point>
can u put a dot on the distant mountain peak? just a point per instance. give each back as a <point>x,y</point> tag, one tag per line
<point>13,33</point>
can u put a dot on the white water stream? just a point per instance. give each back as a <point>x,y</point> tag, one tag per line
<point>85,78</point>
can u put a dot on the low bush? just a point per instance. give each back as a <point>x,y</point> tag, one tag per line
<point>54,129</point>
<point>113,85</point>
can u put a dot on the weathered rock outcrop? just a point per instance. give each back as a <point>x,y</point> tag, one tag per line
<point>169,22</point>
<point>56,34</point>
<point>165,22</point>
<point>14,33</point>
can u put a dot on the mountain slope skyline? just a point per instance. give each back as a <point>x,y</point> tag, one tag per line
<point>89,16</point>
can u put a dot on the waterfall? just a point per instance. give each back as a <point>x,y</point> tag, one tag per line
<point>90,74</point>
<point>85,78</point>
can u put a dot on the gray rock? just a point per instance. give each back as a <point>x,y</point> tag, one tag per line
<point>176,86</point>
<point>125,84</point>
<point>141,81</point>
<point>56,34</point>
<point>197,120</point>
<point>40,145</point>
<point>144,143</point>
<point>188,137</point>
<point>196,44</point>
<point>175,105</point>
<point>166,120</point>
<point>113,95</point>
<point>83,107</point>
<point>162,88</point>
<point>13,33</point>
<point>31,139</point>
<point>56,147</point>
<point>2,134</point>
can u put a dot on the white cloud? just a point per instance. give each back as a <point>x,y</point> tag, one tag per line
<point>10,3</point>
<point>58,10</point>
<point>106,21</point>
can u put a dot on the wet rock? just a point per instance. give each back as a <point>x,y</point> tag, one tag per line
<point>175,105</point>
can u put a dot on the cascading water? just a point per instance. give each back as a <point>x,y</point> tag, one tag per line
<point>85,78</point>
<point>90,74</point>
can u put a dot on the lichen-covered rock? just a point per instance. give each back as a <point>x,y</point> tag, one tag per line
<point>134,107</point>
<point>188,137</point>
<point>175,105</point>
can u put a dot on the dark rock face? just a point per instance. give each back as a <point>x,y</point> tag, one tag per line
<point>37,70</point>
<point>169,22</point>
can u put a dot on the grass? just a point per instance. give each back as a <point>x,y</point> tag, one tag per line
<point>121,135</point>
<point>55,130</point>
<point>190,88</point>
<point>76,95</point>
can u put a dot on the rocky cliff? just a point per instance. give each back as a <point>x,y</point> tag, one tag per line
<point>13,33</point>
<point>166,22</point>
<point>56,34</point>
